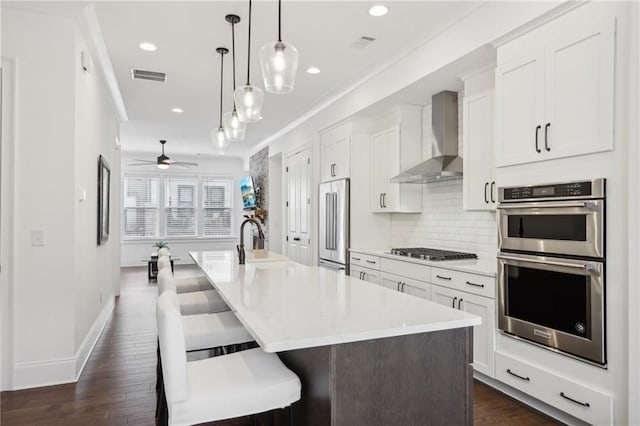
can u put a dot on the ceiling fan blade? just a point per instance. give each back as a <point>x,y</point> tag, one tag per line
<point>184,163</point>
<point>145,161</point>
<point>142,164</point>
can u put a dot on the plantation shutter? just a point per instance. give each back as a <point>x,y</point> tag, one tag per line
<point>217,207</point>
<point>141,218</point>
<point>180,207</point>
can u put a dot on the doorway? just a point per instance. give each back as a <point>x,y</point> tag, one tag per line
<point>298,205</point>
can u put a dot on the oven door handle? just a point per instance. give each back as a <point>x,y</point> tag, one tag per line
<point>584,266</point>
<point>582,205</point>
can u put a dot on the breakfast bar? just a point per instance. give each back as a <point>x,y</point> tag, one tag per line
<point>366,355</point>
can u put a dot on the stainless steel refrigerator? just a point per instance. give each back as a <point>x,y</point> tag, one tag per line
<point>334,225</point>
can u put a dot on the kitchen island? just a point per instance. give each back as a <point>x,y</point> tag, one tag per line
<point>366,355</point>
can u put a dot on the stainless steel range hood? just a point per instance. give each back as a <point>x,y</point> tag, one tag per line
<point>444,163</point>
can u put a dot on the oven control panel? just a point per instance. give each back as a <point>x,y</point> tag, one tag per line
<point>568,190</point>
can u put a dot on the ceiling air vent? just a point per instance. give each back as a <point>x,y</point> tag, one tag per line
<point>148,75</point>
<point>363,42</point>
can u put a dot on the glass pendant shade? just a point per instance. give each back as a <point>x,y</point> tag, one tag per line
<point>219,139</point>
<point>279,61</point>
<point>249,101</point>
<point>234,128</point>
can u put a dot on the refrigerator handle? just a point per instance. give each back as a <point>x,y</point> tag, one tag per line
<point>327,220</point>
<point>335,221</point>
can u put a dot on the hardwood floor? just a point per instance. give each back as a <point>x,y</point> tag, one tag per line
<point>117,386</point>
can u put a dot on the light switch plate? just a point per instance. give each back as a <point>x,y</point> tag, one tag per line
<point>37,237</point>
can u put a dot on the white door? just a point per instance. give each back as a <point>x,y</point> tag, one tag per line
<point>520,109</point>
<point>298,170</point>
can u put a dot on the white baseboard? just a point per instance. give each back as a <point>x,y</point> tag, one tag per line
<point>65,370</point>
<point>89,342</point>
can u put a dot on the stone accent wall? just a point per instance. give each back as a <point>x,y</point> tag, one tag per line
<point>259,169</point>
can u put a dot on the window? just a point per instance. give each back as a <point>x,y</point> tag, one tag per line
<point>184,216</point>
<point>217,208</point>
<point>141,207</point>
<point>180,207</point>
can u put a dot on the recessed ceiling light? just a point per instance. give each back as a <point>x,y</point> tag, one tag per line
<point>313,70</point>
<point>378,10</point>
<point>149,47</point>
<point>178,110</point>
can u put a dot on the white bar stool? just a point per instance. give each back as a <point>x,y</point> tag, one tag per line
<point>224,387</point>
<point>197,302</point>
<point>188,284</point>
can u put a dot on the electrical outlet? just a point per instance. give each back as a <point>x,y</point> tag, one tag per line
<point>37,237</point>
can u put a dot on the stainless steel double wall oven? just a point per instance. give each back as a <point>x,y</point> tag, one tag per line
<point>551,266</point>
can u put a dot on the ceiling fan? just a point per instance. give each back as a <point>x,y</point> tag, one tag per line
<point>163,161</point>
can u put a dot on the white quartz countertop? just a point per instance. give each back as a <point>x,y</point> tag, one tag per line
<point>287,305</point>
<point>475,266</point>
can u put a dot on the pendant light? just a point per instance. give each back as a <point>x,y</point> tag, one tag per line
<point>279,61</point>
<point>249,98</point>
<point>218,136</point>
<point>234,128</point>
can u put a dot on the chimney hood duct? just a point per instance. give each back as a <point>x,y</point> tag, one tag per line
<point>444,163</point>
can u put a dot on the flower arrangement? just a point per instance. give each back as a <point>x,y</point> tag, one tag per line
<point>161,244</point>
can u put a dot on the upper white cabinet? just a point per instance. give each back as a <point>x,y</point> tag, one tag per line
<point>394,149</point>
<point>479,187</point>
<point>335,150</point>
<point>555,91</point>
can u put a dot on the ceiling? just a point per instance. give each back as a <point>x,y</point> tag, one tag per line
<point>187,33</point>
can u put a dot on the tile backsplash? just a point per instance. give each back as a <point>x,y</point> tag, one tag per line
<point>443,224</point>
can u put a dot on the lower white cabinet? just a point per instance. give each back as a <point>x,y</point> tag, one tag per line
<point>405,285</point>
<point>365,274</point>
<point>583,402</point>
<point>483,334</point>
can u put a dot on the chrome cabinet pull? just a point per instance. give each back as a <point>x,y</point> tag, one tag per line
<point>355,258</point>
<point>371,261</point>
<point>474,284</point>
<point>584,404</point>
<point>486,200</point>
<point>491,191</point>
<point>384,200</point>
<point>546,139</point>
<point>526,379</point>
<point>443,278</point>
<point>538,127</point>
<point>380,200</point>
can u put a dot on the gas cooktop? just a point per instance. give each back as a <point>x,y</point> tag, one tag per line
<point>432,254</point>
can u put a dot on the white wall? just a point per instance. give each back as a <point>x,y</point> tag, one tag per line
<point>133,252</point>
<point>55,303</point>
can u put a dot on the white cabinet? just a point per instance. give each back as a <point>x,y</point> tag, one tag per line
<point>407,285</point>
<point>365,274</point>
<point>479,186</point>
<point>588,404</point>
<point>555,94</point>
<point>395,149</point>
<point>335,151</point>
<point>483,334</point>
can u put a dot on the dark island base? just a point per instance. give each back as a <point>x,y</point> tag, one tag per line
<point>419,379</point>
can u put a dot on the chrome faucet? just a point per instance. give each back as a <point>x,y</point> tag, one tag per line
<point>240,247</point>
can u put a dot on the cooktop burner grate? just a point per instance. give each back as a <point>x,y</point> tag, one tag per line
<point>432,254</point>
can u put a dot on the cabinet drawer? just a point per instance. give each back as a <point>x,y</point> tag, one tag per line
<point>366,260</point>
<point>365,274</point>
<point>405,269</point>
<point>580,401</point>
<point>471,283</point>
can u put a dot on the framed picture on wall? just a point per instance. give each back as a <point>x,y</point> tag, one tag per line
<point>104,183</point>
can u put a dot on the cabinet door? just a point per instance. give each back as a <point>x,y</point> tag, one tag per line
<point>327,160</point>
<point>407,285</point>
<point>390,281</point>
<point>483,334</point>
<point>520,109</point>
<point>385,164</point>
<point>365,274</point>
<point>478,174</point>
<point>415,291</point>
<point>335,155</point>
<point>579,80</point>
<point>341,169</point>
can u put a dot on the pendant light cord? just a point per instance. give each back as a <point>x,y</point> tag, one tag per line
<point>233,52</point>
<point>221,84</point>
<point>249,47</point>
<point>279,20</point>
